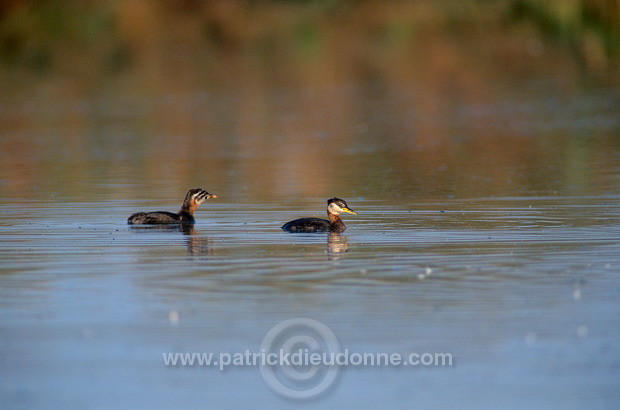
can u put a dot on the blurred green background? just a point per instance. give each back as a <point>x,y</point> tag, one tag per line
<point>111,36</point>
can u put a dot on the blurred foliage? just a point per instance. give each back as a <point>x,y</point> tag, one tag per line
<point>38,34</point>
<point>51,33</point>
<point>591,28</point>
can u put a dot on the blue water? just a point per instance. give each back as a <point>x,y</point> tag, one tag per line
<point>522,292</point>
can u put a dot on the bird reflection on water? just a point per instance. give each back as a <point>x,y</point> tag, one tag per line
<point>196,245</point>
<point>337,245</point>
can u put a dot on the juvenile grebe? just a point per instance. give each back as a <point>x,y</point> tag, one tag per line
<point>193,198</point>
<point>335,206</point>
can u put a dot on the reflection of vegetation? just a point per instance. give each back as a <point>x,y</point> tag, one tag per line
<point>590,27</point>
<point>273,99</point>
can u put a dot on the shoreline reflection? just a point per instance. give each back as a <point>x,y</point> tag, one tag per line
<point>196,245</point>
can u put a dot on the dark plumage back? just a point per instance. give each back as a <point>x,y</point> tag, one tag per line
<point>308,225</point>
<point>148,218</point>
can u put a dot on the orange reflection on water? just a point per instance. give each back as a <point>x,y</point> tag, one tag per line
<point>378,100</point>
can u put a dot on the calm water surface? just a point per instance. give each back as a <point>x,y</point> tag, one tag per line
<point>522,291</point>
<point>488,228</point>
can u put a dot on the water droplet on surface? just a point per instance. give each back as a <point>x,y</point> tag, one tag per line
<point>582,331</point>
<point>173,317</point>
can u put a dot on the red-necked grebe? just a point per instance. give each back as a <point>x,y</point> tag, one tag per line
<point>193,198</point>
<point>335,206</point>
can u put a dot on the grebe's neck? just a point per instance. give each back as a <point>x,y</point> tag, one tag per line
<point>189,207</point>
<point>187,210</point>
<point>336,224</point>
